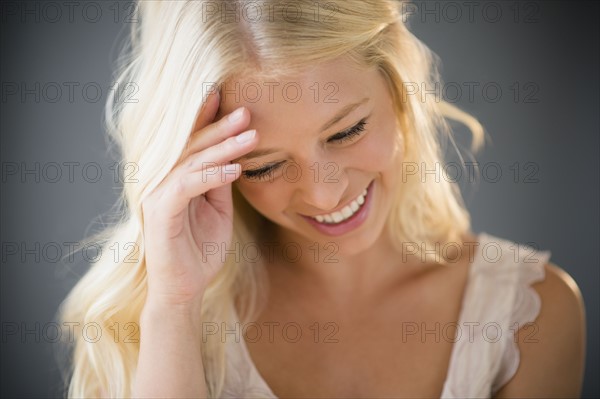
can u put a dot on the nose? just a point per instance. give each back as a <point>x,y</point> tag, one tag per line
<point>322,186</point>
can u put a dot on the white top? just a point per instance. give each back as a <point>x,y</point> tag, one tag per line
<point>498,300</point>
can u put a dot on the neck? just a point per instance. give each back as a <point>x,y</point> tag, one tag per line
<point>327,269</point>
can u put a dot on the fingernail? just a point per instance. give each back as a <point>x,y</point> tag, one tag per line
<point>245,137</point>
<point>236,115</point>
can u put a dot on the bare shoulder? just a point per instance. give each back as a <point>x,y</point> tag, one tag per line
<point>552,350</point>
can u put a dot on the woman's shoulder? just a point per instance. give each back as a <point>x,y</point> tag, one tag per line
<point>562,306</point>
<point>560,288</point>
<point>552,348</point>
<point>552,283</point>
<point>516,287</point>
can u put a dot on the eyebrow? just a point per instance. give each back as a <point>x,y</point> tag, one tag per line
<point>338,117</point>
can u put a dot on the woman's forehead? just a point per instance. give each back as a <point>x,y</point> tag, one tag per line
<point>333,82</point>
<point>297,111</point>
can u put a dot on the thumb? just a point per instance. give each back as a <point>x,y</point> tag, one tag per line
<point>221,199</point>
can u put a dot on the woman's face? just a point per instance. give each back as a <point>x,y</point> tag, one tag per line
<point>325,137</point>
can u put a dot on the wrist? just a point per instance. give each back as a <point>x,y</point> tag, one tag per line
<point>158,310</point>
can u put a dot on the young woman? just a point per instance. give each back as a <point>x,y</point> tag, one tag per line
<point>284,237</point>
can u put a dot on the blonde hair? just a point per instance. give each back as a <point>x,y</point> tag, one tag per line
<point>177,48</point>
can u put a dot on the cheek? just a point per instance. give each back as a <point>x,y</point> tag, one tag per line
<point>378,151</point>
<point>265,197</point>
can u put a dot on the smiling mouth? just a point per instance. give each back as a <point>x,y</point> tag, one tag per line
<point>343,214</point>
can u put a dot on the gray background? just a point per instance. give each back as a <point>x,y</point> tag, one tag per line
<point>546,52</point>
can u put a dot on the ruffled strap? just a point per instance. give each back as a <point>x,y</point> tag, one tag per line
<point>498,300</point>
<point>526,308</point>
<point>242,379</point>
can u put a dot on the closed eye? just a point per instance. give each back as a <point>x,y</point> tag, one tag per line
<point>350,133</point>
<point>266,172</point>
<point>262,173</point>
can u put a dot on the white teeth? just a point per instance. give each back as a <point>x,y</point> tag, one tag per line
<point>345,213</point>
<point>337,217</point>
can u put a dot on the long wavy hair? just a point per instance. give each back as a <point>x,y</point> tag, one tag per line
<point>172,52</point>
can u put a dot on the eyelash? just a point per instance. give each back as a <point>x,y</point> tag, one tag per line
<point>342,137</point>
<point>263,173</point>
<point>349,134</point>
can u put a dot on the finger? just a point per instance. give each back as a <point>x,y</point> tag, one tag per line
<point>190,185</point>
<point>220,199</point>
<point>216,132</point>
<point>209,109</point>
<point>217,155</point>
<point>224,152</point>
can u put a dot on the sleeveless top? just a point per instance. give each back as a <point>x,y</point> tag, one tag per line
<point>497,301</point>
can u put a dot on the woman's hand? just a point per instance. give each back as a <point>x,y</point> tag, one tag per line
<point>192,210</point>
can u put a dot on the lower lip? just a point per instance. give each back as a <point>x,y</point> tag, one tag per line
<point>349,224</point>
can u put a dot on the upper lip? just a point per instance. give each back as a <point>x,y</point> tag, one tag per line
<point>340,207</point>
